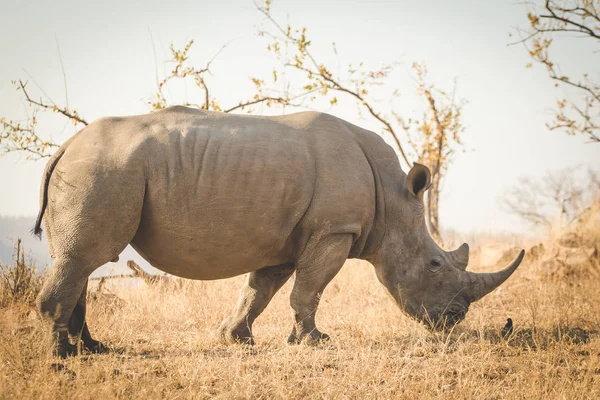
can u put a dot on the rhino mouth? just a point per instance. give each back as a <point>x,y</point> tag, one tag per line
<point>444,320</point>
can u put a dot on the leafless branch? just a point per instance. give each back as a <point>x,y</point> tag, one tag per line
<point>568,21</point>
<point>71,114</point>
<point>62,66</point>
<point>560,17</point>
<point>241,105</point>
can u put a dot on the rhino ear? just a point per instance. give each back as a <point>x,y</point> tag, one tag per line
<point>418,180</point>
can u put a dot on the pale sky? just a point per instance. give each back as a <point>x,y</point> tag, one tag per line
<point>108,52</point>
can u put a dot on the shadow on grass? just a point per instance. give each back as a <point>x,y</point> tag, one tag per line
<point>218,351</point>
<point>525,339</point>
<point>539,339</point>
<point>521,338</point>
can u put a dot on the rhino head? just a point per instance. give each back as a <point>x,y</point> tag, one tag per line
<point>428,283</point>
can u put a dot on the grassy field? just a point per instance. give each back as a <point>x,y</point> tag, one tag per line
<point>168,346</point>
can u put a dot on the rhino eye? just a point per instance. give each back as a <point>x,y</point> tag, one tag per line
<point>435,264</point>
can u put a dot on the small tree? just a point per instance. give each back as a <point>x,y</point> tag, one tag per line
<point>568,19</point>
<point>434,139</point>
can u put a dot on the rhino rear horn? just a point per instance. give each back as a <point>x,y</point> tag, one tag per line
<point>483,283</point>
<point>460,257</point>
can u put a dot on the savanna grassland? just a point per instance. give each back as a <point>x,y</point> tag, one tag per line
<point>165,342</point>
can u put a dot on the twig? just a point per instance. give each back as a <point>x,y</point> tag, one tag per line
<point>62,66</point>
<point>64,111</point>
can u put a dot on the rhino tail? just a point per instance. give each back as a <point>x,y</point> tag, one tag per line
<point>37,229</point>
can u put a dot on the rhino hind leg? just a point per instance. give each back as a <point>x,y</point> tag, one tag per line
<point>319,263</point>
<point>59,298</point>
<point>259,289</point>
<point>78,329</point>
<point>87,226</point>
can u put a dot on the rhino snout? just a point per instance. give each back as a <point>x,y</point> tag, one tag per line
<point>439,320</point>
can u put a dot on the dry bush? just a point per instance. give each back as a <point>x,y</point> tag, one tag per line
<point>20,282</point>
<point>588,223</point>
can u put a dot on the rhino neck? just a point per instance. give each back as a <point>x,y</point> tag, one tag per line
<point>383,238</point>
<point>377,231</point>
<point>388,178</point>
<point>388,234</point>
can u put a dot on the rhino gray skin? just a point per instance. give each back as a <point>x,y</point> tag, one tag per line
<point>206,195</point>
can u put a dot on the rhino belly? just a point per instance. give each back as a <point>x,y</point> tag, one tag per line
<point>214,238</point>
<point>208,254</point>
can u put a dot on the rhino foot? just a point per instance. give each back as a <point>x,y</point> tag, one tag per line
<point>96,347</point>
<point>64,350</point>
<point>312,338</point>
<point>236,334</point>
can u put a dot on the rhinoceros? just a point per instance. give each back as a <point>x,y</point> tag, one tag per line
<point>207,195</point>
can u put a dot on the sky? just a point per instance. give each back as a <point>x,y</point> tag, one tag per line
<point>113,51</point>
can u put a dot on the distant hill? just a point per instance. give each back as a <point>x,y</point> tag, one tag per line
<point>5,253</point>
<point>12,228</point>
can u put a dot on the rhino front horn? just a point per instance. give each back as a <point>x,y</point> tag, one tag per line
<point>483,283</point>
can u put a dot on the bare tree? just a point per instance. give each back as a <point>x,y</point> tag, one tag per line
<point>555,200</point>
<point>568,19</point>
<point>430,140</point>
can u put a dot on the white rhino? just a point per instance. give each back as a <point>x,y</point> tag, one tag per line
<point>207,195</point>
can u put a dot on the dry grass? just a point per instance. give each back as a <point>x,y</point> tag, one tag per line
<point>19,281</point>
<point>169,347</point>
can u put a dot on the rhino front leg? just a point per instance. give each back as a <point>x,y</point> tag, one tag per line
<point>256,294</point>
<point>316,267</point>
